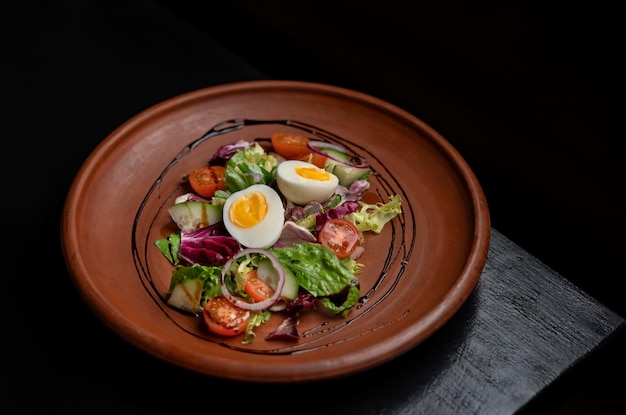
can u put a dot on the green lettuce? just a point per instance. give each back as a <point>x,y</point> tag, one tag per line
<point>321,273</point>
<point>373,217</point>
<point>209,275</point>
<point>250,166</point>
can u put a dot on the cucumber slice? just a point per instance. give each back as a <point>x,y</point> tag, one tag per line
<point>192,215</point>
<point>186,296</point>
<point>268,274</point>
<point>336,154</point>
<point>346,174</point>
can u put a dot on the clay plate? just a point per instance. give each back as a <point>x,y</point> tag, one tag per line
<point>417,274</point>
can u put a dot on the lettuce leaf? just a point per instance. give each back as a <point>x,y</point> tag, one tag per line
<point>373,217</point>
<point>250,166</point>
<point>210,276</point>
<point>321,273</point>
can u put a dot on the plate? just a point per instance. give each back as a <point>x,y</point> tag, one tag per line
<point>417,272</point>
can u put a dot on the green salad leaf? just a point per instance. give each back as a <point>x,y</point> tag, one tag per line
<point>170,246</point>
<point>318,270</point>
<point>373,217</point>
<point>250,166</point>
<point>210,276</point>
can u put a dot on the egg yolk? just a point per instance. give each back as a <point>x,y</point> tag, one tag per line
<point>312,173</point>
<point>248,210</point>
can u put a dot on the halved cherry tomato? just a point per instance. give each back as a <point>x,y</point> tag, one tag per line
<point>206,180</point>
<point>314,158</point>
<point>289,145</point>
<point>257,288</point>
<point>340,235</point>
<point>224,318</point>
<point>294,147</point>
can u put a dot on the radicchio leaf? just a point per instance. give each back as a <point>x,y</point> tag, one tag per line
<point>211,246</point>
<point>226,151</point>
<point>292,234</point>
<point>338,212</point>
<point>286,331</point>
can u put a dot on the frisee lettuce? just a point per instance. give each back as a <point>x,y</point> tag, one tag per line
<point>373,217</point>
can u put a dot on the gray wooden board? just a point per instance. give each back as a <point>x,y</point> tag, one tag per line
<point>523,327</point>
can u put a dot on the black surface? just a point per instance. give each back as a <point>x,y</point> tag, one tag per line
<point>74,71</point>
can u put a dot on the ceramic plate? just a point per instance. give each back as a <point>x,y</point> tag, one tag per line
<point>417,272</point>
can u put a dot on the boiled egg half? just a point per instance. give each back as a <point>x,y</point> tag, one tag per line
<point>302,182</point>
<point>254,216</point>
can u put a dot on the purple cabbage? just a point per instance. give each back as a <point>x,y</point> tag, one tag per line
<point>288,328</point>
<point>355,192</point>
<point>286,331</point>
<point>210,246</point>
<point>338,212</point>
<point>293,234</point>
<point>191,197</point>
<point>225,152</point>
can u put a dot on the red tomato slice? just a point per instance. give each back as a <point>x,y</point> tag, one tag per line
<point>257,288</point>
<point>340,235</point>
<point>294,147</point>
<point>313,158</point>
<point>290,145</point>
<point>224,318</point>
<point>205,181</point>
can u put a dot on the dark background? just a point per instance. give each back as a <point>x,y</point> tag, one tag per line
<point>529,92</point>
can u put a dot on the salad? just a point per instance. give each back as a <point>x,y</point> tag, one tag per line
<point>271,228</point>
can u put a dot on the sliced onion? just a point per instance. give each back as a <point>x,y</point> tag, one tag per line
<point>263,304</point>
<point>315,147</point>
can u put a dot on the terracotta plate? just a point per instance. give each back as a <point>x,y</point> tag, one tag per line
<point>417,273</point>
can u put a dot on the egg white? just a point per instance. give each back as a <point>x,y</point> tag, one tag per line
<point>301,190</point>
<point>267,231</point>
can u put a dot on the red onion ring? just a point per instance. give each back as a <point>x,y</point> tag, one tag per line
<point>315,146</point>
<point>263,304</point>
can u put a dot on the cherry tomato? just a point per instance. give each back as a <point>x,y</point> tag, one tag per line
<point>314,158</point>
<point>257,288</point>
<point>206,180</point>
<point>294,147</point>
<point>290,145</point>
<point>340,235</point>
<point>224,318</point>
